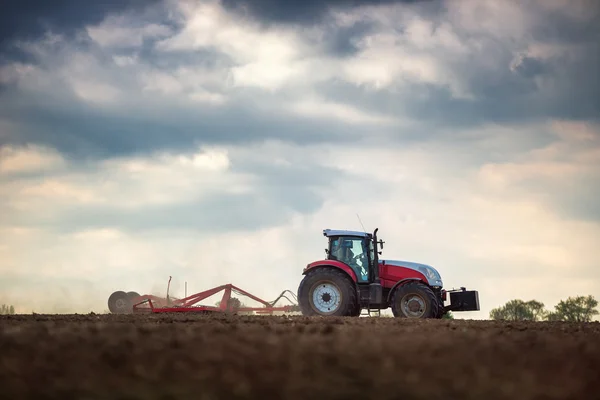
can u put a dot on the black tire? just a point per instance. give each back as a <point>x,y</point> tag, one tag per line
<point>441,311</point>
<point>119,303</point>
<point>337,280</point>
<point>419,291</point>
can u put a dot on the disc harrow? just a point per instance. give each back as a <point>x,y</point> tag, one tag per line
<point>121,302</point>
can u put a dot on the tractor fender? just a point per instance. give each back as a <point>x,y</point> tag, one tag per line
<point>401,282</point>
<point>331,263</point>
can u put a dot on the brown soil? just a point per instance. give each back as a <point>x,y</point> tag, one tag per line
<point>228,357</point>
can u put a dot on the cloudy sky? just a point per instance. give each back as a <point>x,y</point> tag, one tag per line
<point>212,141</point>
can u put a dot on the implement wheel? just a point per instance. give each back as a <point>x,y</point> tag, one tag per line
<point>327,292</point>
<point>120,303</point>
<point>132,296</point>
<point>414,300</point>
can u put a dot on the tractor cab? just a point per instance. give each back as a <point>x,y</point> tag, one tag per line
<point>354,249</point>
<point>357,250</point>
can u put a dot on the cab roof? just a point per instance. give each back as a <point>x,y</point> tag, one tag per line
<point>337,232</point>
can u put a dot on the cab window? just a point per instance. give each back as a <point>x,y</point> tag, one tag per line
<point>353,252</point>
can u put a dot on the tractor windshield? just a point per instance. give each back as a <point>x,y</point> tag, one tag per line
<point>353,251</point>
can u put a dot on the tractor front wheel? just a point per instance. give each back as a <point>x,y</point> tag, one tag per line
<point>414,300</point>
<point>327,292</point>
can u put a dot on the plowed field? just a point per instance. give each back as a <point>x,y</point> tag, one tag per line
<point>228,357</point>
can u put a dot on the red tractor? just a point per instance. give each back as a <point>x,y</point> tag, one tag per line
<point>353,278</point>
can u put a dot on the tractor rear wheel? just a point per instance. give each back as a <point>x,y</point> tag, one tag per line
<point>327,292</point>
<point>414,300</point>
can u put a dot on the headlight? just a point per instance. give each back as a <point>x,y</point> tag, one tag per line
<point>432,275</point>
<point>428,272</point>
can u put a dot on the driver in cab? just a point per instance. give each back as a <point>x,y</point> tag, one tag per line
<point>344,253</point>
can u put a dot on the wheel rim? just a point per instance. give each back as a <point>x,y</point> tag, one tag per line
<point>326,298</point>
<point>413,306</point>
<point>121,304</point>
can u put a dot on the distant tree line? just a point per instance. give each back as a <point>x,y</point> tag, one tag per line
<point>573,309</point>
<point>7,309</point>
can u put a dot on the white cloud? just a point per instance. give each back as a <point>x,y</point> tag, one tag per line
<point>185,81</point>
<point>510,20</point>
<point>573,156</point>
<point>94,92</point>
<point>320,108</point>
<point>29,159</point>
<point>126,184</point>
<point>265,58</point>
<point>116,32</point>
<point>421,54</point>
<point>162,82</point>
<point>124,61</point>
<point>12,73</point>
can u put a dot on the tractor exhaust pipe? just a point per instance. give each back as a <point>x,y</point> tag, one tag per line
<point>375,257</point>
<point>375,289</point>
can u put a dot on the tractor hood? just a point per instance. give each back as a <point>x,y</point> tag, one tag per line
<point>432,275</point>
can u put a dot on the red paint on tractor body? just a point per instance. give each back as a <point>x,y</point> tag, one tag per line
<point>389,275</point>
<point>331,263</point>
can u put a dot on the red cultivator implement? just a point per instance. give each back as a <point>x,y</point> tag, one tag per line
<point>124,303</point>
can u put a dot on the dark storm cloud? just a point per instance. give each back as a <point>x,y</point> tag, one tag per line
<point>82,132</point>
<point>507,92</point>
<point>340,41</point>
<point>305,11</point>
<point>561,26</point>
<point>30,19</point>
<point>434,108</point>
<point>570,89</point>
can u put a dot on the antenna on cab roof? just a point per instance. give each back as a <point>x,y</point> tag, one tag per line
<point>361,224</point>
